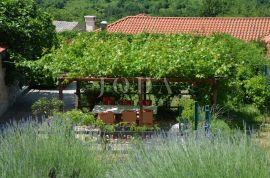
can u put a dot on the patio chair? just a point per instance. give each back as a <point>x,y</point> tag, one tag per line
<point>104,100</point>
<point>126,102</point>
<point>147,118</point>
<point>107,117</point>
<point>129,117</point>
<point>108,100</point>
<point>145,102</point>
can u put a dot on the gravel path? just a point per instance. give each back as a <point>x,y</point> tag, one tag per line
<point>22,108</point>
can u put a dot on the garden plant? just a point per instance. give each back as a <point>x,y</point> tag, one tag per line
<point>50,149</point>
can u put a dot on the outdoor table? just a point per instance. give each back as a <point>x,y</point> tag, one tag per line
<point>118,109</point>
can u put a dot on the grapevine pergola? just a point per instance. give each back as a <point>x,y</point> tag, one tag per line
<point>177,58</point>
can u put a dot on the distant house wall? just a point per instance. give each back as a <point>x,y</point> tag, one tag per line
<point>8,94</point>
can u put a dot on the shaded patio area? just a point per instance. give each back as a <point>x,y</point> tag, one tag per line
<point>22,107</point>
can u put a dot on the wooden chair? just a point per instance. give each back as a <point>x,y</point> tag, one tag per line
<point>129,117</point>
<point>111,101</point>
<point>145,102</point>
<point>126,102</point>
<point>147,118</point>
<point>108,100</point>
<point>107,117</point>
<point>105,100</point>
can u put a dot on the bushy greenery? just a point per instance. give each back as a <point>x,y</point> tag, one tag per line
<point>188,107</point>
<point>46,107</point>
<point>68,36</point>
<point>219,125</point>
<point>257,89</point>
<point>245,116</point>
<point>112,10</point>
<point>77,117</point>
<point>216,119</point>
<point>28,33</point>
<point>25,29</point>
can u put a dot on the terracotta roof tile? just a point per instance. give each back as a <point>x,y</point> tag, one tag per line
<point>254,28</point>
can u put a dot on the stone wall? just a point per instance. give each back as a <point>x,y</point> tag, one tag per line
<point>8,94</point>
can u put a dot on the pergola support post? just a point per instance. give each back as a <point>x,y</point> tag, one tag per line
<point>141,108</point>
<point>61,94</point>
<point>61,88</point>
<point>144,90</point>
<point>207,117</point>
<point>78,95</point>
<point>214,92</point>
<point>196,115</point>
<point>141,97</point>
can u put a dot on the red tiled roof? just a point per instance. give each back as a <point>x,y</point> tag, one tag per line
<point>246,28</point>
<point>2,49</point>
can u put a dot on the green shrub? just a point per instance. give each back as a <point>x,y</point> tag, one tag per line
<point>188,109</point>
<point>245,115</point>
<point>218,124</point>
<point>29,33</point>
<point>25,29</point>
<point>68,36</point>
<point>78,117</point>
<point>258,92</point>
<point>46,107</point>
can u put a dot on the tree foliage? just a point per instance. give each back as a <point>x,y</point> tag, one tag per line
<point>153,55</point>
<point>112,10</point>
<point>25,29</point>
<point>28,33</point>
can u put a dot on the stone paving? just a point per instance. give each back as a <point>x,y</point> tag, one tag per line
<point>22,107</point>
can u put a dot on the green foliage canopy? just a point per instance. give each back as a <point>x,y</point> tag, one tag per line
<point>111,10</point>
<point>152,55</point>
<point>25,29</point>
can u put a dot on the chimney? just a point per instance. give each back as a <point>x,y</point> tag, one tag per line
<point>267,42</point>
<point>268,49</point>
<point>103,25</point>
<point>90,22</point>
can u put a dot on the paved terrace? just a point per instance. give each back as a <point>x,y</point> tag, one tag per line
<point>22,108</point>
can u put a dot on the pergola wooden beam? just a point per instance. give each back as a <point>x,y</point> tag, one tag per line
<point>143,79</point>
<point>78,95</point>
<point>214,92</point>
